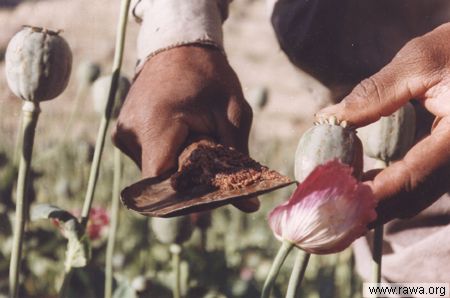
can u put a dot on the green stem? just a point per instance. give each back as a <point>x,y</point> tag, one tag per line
<point>175,249</point>
<point>17,148</point>
<point>353,279</point>
<point>298,272</point>
<point>283,252</point>
<point>377,253</point>
<point>114,223</point>
<point>30,114</point>
<point>118,56</point>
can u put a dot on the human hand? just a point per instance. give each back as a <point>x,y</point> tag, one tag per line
<point>180,94</point>
<point>420,70</point>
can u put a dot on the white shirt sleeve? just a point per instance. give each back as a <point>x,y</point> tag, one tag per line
<point>166,24</point>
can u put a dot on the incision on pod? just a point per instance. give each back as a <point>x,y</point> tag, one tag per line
<point>325,141</point>
<point>38,64</point>
<point>390,137</point>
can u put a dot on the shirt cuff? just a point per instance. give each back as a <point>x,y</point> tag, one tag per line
<point>167,24</point>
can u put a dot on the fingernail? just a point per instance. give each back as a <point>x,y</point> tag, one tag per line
<point>326,113</point>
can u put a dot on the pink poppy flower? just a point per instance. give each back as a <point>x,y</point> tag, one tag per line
<point>98,221</point>
<point>327,212</point>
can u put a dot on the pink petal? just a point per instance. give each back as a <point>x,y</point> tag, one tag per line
<point>327,212</point>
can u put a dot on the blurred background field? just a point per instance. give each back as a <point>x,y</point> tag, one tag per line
<point>237,253</point>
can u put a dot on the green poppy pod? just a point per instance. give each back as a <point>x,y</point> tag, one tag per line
<point>38,63</point>
<point>324,142</point>
<point>172,230</point>
<point>87,73</point>
<point>100,93</point>
<point>390,137</point>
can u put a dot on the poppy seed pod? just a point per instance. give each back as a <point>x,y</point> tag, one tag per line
<point>172,230</point>
<point>87,73</point>
<point>38,64</point>
<point>390,137</point>
<point>325,141</point>
<point>100,93</point>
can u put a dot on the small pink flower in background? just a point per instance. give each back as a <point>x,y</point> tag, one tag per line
<point>327,212</point>
<point>246,273</point>
<point>98,221</point>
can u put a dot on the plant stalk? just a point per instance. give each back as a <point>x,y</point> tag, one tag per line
<point>99,145</point>
<point>114,223</point>
<point>298,272</point>
<point>30,115</point>
<point>283,252</point>
<point>17,147</point>
<point>377,252</point>
<point>175,249</point>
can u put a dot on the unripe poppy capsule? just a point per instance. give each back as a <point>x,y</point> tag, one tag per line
<point>38,62</point>
<point>100,93</point>
<point>172,230</point>
<point>325,141</point>
<point>390,137</point>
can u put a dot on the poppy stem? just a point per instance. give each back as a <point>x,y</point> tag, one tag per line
<point>283,252</point>
<point>30,115</point>
<point>118,57</point>
<point>114,223</point>
<point>377,252</point>
<point>298,272</point>
<point>175,249</point>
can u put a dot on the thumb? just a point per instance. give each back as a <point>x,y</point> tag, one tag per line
<point>380,95</point>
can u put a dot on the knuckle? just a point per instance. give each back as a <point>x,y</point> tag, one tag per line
<point>422,55</point>
<point>246,115</point>
<point>247,111</point>
<point>368,90</point>
<point>117,135</point>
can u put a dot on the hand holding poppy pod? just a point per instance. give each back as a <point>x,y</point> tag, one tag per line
<point>420,70</point>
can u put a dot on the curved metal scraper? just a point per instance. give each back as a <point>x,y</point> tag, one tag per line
<point>156,197</point>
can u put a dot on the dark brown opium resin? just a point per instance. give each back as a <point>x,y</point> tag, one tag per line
<point>207,166</point>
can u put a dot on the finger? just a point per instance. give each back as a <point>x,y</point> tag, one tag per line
<point>370,175</point>
<point>382,94</point>
<point>233,128</point>
<point>126,141</point>
<point>161,146</point>
<point>248,205</point>
<point>409,185</point>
